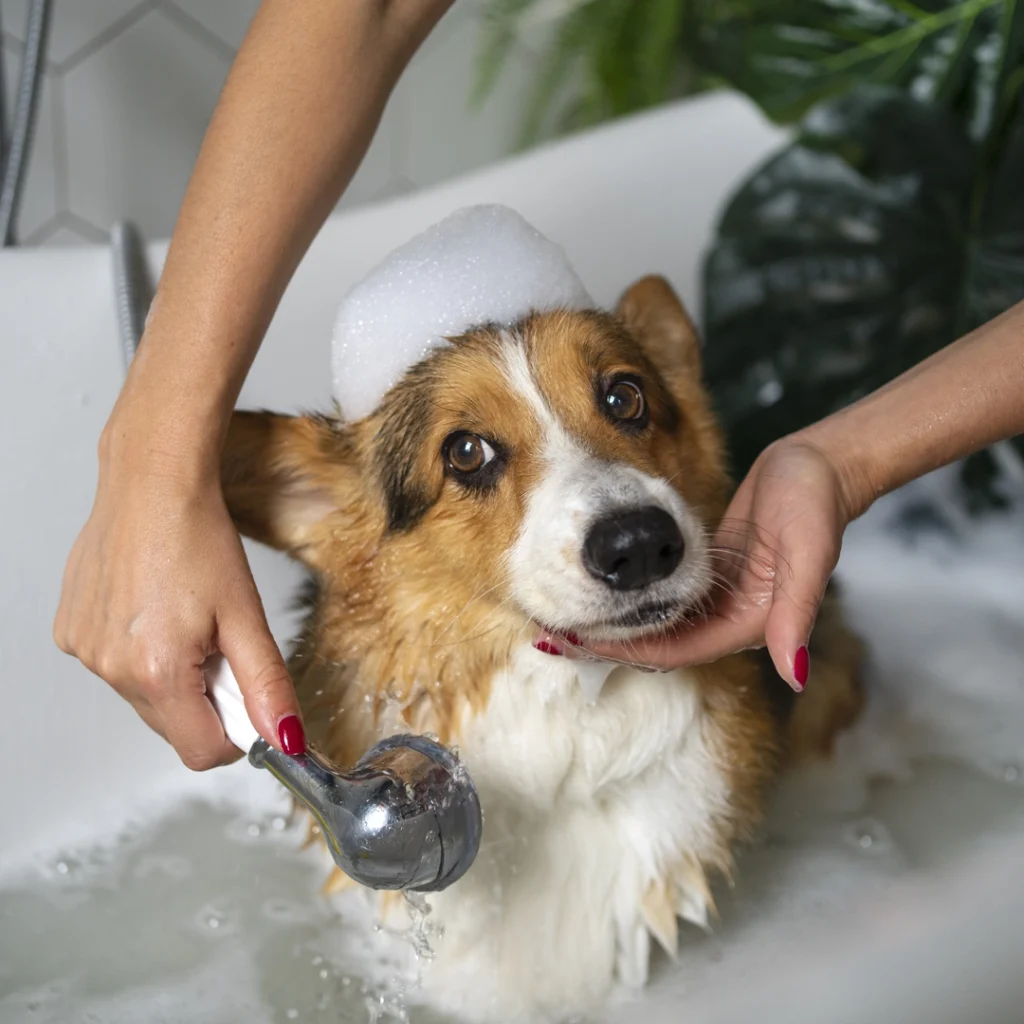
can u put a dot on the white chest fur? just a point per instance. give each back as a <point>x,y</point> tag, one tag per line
<point>587,807</point>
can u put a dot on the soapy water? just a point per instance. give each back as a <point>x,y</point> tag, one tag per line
<point>195,918</point>
<point>212,913</point>
<point>206,914</point>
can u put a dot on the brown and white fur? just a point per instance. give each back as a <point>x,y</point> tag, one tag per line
<point>604,822</point>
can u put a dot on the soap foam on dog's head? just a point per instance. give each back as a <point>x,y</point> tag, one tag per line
<point>483,264</point>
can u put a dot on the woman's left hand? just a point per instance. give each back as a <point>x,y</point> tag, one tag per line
<point>774,553</point>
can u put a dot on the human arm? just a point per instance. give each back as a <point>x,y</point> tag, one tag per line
<point>158,580</point>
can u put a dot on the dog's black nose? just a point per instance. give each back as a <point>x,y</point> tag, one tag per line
<point>631,549</point>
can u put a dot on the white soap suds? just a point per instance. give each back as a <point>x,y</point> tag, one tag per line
<point>482,264</point>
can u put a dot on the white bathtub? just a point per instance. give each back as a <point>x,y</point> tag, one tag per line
<point>636,197</point>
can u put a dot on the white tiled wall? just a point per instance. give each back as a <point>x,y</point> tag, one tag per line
<point>131,84</point>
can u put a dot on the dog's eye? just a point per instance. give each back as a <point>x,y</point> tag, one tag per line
<point>467,453</point>
<point>624,401</point>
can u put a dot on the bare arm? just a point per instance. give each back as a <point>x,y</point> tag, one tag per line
<point>158,580</point>
<point>965,397</point>
<point>297,114</point>
<point>792,509</point>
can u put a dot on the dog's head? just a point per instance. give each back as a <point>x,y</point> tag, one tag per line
<point>565,471</point>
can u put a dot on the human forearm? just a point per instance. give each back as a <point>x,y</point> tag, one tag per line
<point>964,398</point>
<point>158,580</point>
<point>297,114</point>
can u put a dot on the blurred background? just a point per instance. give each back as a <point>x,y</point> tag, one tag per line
<point>892,224</point>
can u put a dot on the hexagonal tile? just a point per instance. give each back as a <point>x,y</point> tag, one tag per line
<point>64,237</point>
<point>137,111</point>
<point>444,135</point>
<point>14,17</point>
<point>74,25</point>
<point>39,197</point>
<point>227,19</point>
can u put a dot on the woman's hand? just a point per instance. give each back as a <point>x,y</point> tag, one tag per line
<point>158,581</point>
<point>780,538</point>
<point>773,555</point>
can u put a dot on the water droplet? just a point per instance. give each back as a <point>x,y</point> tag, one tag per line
<point>1011,773</point>
<point>869,835</point>
<point>253,829</point>
<point>324,973</point>
<point>293,1014</point>
<point>62,867</point>
<point>169,866</point>
<point>214,919</point>
<point>284,911</point>
<point>279,824</point>
<point>317,961</point>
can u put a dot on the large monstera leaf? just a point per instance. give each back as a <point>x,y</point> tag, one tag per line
<point>883,233</point>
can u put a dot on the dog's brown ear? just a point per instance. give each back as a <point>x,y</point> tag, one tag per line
<point>652,312</point>
<point>283,476</point>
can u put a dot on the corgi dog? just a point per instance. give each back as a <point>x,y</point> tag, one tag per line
<point>562,474</point>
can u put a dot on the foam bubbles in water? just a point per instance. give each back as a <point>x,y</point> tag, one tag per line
<point>187,917</point>
<point>215,919</point>
<point>483,264</point>
<point>870,836</point>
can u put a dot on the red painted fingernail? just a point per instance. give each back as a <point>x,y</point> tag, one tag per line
<point>801,666</point>
<point>572,638</point>
<point>292,735</point>
<point>546,647</point>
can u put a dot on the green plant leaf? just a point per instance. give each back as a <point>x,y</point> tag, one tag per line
<point>500,25</point>
<point>790,54</point>
<point>852,255</point>
<point>612,57</point>
<point>574,35</point>
<point>606,58</point>
<point>658,49</point>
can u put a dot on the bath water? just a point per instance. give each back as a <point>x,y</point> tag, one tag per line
<point>211,912</point>
<point>214,916</point>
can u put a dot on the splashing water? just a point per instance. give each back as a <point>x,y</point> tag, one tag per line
<point>422,933</point>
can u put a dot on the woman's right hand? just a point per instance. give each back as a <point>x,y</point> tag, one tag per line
<point>158,579</point>
<point>156,582</point>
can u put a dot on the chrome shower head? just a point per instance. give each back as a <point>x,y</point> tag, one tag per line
<point>405,817</point>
